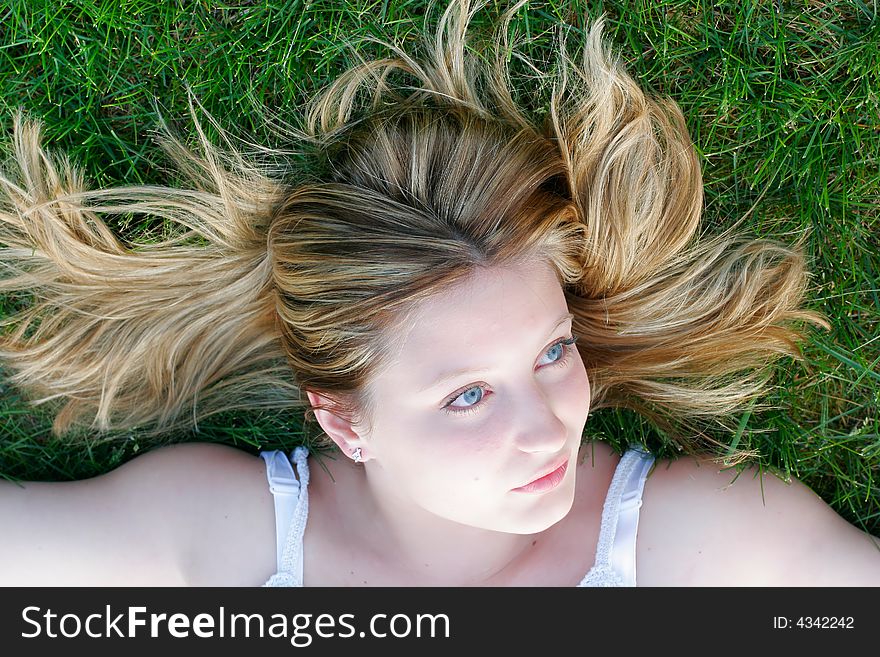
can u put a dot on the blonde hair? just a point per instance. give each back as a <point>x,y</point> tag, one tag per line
<point>269,285</point>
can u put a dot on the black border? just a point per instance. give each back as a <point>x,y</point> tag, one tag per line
<point>519,620</point>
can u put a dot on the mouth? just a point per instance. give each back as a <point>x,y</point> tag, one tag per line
<point>546,482</point>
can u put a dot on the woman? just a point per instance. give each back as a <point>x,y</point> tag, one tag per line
<point>451,288</point>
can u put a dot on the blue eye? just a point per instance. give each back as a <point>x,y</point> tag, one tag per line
<point>558,345</point>
<point>567,346</point>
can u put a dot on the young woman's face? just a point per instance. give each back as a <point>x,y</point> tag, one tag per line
<point>482,399</point>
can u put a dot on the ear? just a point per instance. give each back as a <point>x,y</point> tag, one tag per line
<point>341,431</point>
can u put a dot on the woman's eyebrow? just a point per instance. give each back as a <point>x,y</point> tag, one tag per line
<point>446,376</point>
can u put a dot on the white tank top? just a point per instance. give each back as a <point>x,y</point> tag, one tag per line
<point>615,563</point>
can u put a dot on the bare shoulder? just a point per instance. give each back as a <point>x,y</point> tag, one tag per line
<point>163,518</point>
<point>221,512</point>
<point>191,465</point>
<point>703,525</point>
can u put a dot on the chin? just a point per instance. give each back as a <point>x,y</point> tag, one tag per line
<point>546,513</point>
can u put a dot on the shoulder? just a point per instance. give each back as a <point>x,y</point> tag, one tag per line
<point>702,524</point>
<point>177,515</point>
<point>217,507</point>
<point>199,461</point>
<point>193,475</point>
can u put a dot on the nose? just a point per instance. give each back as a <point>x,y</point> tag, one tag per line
<point>540,429</point>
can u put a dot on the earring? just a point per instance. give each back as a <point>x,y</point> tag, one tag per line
<point>356,455</point>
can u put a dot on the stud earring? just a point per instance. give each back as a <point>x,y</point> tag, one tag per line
<point>356,455</point>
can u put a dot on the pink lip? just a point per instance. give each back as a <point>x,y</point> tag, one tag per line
<point>547,482</point>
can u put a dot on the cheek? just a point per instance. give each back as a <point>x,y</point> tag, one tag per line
<point>578,389</point>
<point>422,445</point>
<point>463,455</point>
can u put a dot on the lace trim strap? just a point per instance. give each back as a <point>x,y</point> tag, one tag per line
<point>616,550</point>
<point>291,511</point>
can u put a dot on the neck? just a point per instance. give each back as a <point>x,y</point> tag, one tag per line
<point>380,548</point>
<point>429,550</point>
<point>416,547</point>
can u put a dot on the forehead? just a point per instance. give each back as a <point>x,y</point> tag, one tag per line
<point>494,309</point>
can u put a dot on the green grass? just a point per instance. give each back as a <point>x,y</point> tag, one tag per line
<point>781,99</point>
